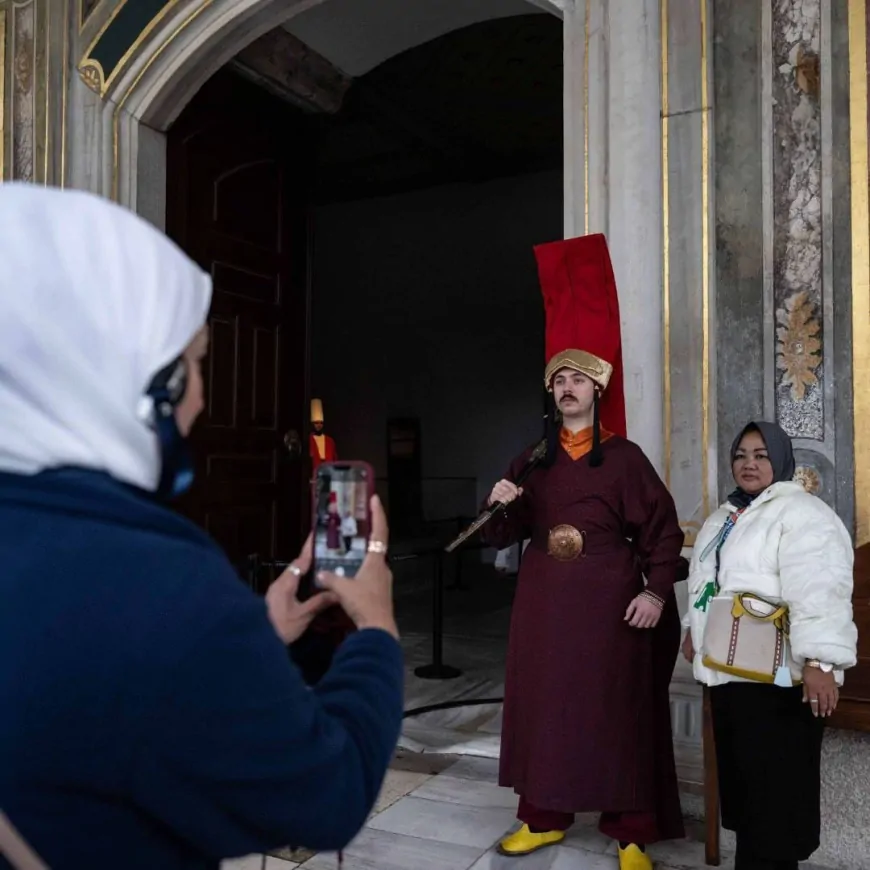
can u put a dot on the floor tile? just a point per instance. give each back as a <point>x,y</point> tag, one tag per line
<point>378,850</point>
<point>293,856</point>
<point>468,792</point>
<point>397,784</point>
<point>480,769</point>
<point>551,858</point>
<point>585,835</point>
<point>449,741</point>
<point>251,862</point>
<point>449,823</point>
<point>416,762</point>
<point>273,863</point>
<point>681,854</point>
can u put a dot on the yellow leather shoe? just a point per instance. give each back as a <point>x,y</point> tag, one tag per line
<point>631,858</point>
<point>524,841</point>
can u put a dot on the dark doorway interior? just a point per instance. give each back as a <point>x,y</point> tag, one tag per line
<point>260,180</point>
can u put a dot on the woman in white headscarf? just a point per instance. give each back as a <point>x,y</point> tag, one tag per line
<point>148,711</point>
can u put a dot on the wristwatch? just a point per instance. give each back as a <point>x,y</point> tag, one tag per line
<point>822,666</point>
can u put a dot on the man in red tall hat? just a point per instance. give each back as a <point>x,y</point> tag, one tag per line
<point>321,446</point>
<point>595,630</point>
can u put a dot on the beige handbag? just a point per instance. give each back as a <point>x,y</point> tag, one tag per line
<point>15,849</point>
<point>747,637</point>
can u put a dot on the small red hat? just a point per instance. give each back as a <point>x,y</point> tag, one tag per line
<point>582,319</point>
<point>333,498</point>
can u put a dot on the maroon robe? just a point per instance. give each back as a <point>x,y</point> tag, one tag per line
<point>586,713</point>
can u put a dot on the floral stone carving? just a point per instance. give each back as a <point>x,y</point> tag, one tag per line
<point>808,478</point>
<point>798,347</point>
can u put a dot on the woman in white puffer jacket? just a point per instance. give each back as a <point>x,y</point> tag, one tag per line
<point>776,541</point>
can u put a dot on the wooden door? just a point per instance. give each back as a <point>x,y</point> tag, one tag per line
<point>236,202</point>
<point>853,711</point>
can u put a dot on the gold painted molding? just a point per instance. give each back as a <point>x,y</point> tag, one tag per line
<point>92,72</point>
<point>860,190</point>
<point>3,113</point>
<point>690,526</point>
<point>64,94</point>
<point>586,18</point>
<point>666,237</point>
<point>122,98</point>
<point>705,260</point>
<point>81,22</point>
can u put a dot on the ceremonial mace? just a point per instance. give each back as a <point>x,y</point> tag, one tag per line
<point>531,464</point>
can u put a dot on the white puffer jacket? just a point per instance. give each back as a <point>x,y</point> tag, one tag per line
<point>787,547</point>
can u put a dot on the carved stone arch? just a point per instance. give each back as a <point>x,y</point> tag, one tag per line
<point>121,146</point>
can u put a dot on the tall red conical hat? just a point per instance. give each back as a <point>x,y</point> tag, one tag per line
<point>582,319</point>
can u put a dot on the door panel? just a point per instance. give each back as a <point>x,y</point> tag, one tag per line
<point>237,203</point>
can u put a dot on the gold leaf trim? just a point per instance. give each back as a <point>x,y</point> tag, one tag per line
<point>91,72</point>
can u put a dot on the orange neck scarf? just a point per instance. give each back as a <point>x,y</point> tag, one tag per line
<point>577,446</point>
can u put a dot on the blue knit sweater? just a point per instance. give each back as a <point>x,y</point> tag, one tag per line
<point>149,715</point>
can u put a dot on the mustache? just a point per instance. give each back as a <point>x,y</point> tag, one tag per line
<point>566,397</point>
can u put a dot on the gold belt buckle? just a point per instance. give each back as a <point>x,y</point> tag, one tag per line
<point>565,543</point>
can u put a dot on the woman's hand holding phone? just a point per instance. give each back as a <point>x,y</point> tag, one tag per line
<point>367,598</point>
<point>290,616</point>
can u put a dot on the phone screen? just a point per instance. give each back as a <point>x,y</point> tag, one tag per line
<point>341,518</point>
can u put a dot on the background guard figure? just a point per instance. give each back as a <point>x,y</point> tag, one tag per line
<point>321,446</point>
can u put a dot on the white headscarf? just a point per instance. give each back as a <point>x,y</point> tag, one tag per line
<point>94,302</point>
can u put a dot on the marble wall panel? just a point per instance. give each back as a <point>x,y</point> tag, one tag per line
<point>797,217</point>
<point>739,221</point>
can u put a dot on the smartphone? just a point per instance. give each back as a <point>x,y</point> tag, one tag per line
<point>341,516</point>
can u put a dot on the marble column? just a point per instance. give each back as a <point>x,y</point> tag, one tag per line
<point>638,145</point>
<point>638,129</point>
<point>613,180</point>
<point>34,52</point>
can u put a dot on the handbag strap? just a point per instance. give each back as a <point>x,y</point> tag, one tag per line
<point>739,608</point>
<point>16,849</point>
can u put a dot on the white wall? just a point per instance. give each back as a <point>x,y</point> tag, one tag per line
<point>427,304</point>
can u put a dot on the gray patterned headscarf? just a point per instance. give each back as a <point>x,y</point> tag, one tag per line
<point>779,449</point>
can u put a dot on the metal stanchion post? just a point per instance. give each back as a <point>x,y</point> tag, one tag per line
<point>438,670</point>
<point>253,571</point>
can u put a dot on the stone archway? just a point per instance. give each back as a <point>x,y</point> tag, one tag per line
<point>613,75</point>
<point>118,144</point>
<point>612,144</point>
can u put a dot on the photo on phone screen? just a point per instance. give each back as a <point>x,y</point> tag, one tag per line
<point>342,521</point>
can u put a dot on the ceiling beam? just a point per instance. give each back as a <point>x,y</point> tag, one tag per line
<point>287,67</point>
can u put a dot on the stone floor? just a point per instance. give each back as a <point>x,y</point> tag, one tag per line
<point>452,820</point>
<point>440,808</point>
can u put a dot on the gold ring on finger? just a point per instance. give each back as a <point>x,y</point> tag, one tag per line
<point>377,547</point>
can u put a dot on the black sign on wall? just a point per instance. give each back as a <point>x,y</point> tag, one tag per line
<point>404,473</point>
